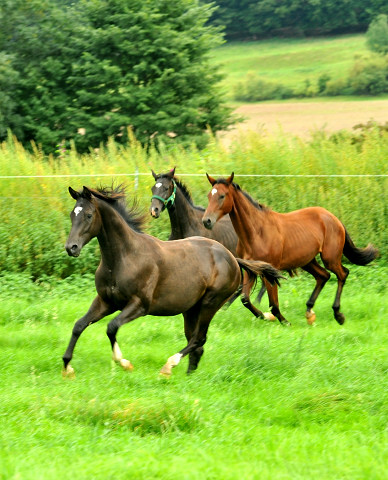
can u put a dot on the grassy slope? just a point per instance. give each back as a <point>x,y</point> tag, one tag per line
<point>266,402</point>
<point>289,62</point>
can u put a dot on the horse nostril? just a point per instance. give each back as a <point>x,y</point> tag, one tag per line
<point>207,222</point>
<point>73,248</point>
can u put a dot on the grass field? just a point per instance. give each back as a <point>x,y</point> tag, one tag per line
<point>289,61</point>
<point>267,402</point>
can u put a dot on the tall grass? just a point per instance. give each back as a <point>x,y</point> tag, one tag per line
<point>35,210</point>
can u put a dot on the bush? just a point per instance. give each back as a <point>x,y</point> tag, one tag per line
<point>377,35</point>
<point>369,76</point>
<point>255,89</point>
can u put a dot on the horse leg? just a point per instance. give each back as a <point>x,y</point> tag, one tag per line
<point>333,263</point>
<point>321,277</point>
<point>261,292</point>
<point>129,313</point>
<point>190,318</point>
<point>98,309</point>
<point>199,320</point>
<point>246,301</point>
<point>274,302</point>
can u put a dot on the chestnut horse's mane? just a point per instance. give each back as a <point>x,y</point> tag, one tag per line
<point>256,204</point>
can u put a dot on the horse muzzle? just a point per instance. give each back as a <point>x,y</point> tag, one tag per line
<point>73,250</point>
<point>208,221</point>
<point>155,211</point>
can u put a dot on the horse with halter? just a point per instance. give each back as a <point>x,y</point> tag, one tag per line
<point>141,275</point>
<point>287,241</point>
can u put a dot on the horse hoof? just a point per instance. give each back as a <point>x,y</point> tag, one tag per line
<point>166,371</point>
<point>68,372</point>
<point>310,316</point>
<point>126,365</point>
<point>269,317</point>
<point>285,323</point>
<point>340,317</point>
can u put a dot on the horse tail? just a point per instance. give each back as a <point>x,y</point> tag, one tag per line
<point>358,256</point>
<point>256,268</point>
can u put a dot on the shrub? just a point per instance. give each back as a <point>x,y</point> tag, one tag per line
<point>255,89</point>
<point>377,34</point>
<point>369,76</point>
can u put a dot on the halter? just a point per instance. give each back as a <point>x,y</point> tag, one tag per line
<point>169,202</point>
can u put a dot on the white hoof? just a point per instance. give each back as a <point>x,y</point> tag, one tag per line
<point>310,316</point>
<point>268,316</point>
<point>68,372</point>
<point>126,365</point>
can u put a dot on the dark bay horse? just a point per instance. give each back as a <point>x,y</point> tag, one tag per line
<point>141,275</point>
<point>287,241</point>
<point>186,218</point>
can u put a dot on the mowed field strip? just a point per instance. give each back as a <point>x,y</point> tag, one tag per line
<point>303,118</point>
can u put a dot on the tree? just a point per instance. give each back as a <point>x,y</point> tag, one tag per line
<point>93,69</point>
<point>377,34</point>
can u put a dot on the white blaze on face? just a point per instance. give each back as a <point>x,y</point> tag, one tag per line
<point>158,185</point>
<point>77,210</point>
<point>214,191</point>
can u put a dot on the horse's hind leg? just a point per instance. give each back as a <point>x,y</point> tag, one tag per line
<point>341,273</point>
<point>198,321</point>
<point>321,277</point>
<point>97,310</point>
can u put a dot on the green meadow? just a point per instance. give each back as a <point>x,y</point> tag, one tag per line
<point>292,62</point>
<point>267,402</point>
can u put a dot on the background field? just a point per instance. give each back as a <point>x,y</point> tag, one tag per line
<point>289,61</point>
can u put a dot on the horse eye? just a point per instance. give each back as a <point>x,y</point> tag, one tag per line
<point>89,215</point>
<point>221,197</point>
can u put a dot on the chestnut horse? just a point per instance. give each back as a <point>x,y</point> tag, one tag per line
<point>287,241</point>
<point>142,275</point>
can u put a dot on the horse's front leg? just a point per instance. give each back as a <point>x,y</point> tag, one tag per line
<point>245,299</point>
<point>274,302</point>
<point>98,309</point>
<point>131,311</point>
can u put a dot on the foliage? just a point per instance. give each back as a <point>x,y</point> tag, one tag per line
<point>267,402</point>
<point>377,34</point>
<point>89,70</point>
<point>35,210</point>
<point>293,18</point>
<point>369,76</point>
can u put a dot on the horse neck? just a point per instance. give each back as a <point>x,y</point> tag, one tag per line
<point>116,238</point>
<point>183,217</point>
<point>247,220</point>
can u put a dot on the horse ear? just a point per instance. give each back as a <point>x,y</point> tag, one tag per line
<point>229,180</point>
<point>74,194</point>
<point>211,180</point>
<point>154,174</point>
<point>171,173</point>
<point>86,193</point>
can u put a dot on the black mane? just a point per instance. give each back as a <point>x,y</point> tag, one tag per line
<point>116,197</point>
<point>256,204</point>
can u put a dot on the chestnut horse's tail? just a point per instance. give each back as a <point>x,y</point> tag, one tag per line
<point>263,269</point>
<point>358,256</point>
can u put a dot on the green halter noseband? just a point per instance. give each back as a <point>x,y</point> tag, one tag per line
<point>169,202</point>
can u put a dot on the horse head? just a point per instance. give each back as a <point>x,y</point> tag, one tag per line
<point>163,192</point>
<point>220,200</point>
<point>85,220</point>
